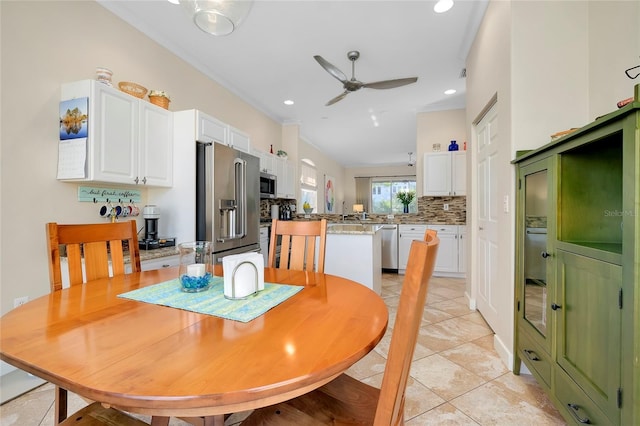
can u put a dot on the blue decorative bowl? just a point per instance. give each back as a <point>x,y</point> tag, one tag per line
<point>195,284</point>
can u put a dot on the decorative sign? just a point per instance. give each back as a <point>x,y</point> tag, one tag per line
<point>108,195</point>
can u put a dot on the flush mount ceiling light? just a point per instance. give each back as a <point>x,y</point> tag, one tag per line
<point>217,17</point>
<point>442,6</point>
<point>450,91</point>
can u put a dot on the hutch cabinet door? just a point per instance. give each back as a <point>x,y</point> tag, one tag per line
<point>536,224</point>
<point>588,327</point>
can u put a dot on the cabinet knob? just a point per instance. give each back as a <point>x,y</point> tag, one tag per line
<point>136,180</point>
<point>144,180</point>
<point>555,307</point>
<point>544,254</point>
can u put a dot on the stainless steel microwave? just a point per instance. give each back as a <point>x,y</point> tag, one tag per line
<point>268,184</point>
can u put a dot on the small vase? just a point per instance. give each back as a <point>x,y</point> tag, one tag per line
<point>406,208</point>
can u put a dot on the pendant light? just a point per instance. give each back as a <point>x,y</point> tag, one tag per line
<point>217,17</point>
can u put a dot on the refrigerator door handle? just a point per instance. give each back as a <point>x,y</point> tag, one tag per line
<point>240,167</point>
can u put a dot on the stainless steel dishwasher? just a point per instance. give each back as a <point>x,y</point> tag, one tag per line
<point>389,247</point>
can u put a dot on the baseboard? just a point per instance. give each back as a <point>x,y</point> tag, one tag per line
<point>504,352</point>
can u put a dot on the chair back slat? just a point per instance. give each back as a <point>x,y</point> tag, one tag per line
<point>298,244</point>
<point>94,245</point>
<point>413,296</point>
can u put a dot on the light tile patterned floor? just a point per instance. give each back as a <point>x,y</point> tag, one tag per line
<point>457,377</point>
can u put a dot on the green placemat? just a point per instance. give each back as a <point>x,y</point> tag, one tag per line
<point>212,301</point>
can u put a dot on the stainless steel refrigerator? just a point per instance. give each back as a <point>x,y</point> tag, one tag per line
<point>227,199</point>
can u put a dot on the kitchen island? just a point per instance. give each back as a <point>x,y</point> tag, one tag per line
<point>354,251</point>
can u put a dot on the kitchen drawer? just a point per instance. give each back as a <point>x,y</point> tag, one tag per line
<point>574,405</point>
<point>536,359</point>
<point>445,229</point>
<point>159,263</point>
<point>420,229</point>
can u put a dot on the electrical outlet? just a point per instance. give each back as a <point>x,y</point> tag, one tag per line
<point>446,207</point>
<point>20,301</point>
<point>390,216</point>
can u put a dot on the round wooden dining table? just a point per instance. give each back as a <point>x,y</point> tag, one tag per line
<point>162,361</point>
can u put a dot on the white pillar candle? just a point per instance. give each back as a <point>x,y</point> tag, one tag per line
<point>196,270</point>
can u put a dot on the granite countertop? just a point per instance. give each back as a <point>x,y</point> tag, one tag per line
<point>353,228</point>
<point>158,253</point>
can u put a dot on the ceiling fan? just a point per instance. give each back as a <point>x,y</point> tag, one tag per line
<point>353,84</point>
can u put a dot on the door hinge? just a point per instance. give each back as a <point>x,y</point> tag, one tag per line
<point>519,183</point>
<point>619,397</point>
<point>518,306</point>
<point>620,299</point>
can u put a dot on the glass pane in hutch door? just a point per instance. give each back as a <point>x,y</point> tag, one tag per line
<point>535,242</point>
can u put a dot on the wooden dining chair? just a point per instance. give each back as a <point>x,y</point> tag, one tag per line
<point>90,249</point>
<point>430,234</point>
<point>298,245</point>
<point>346,400</point>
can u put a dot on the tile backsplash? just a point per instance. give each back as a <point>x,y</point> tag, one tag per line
<point>430,210</point>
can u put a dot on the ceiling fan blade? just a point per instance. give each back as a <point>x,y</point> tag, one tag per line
<point>331,69</point>
<point>390,84</point>
<point>337,98</point>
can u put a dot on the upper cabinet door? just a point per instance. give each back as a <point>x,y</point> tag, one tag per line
<point>156,146</point>
<point>458,173</point>
<point>113,152</point>
<point>211,130</point>
<point>445,173</point>
<point>238,140</point>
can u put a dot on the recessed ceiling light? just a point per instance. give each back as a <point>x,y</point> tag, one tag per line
<point>174,1</point>
<point>450,92</point>
<point>442,6</point>
<point>288,102</point>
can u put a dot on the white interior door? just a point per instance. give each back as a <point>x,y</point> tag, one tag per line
<point>489,292</point>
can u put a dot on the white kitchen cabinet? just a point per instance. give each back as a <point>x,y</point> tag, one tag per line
<point>155,146</point>
<point>267,161</point>
<point>462,249</point>
<point>286,173</point>
<point>210,129</point>
<point>450,251</point>
<point>129,140</point>
<point>264,243</point>
<point>445,173</point>
<point>238,140</point>
<point>406,234</point>
<point>447,260</point>
<point>160,263</point>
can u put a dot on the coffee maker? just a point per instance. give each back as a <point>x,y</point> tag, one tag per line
<point>151,214</point>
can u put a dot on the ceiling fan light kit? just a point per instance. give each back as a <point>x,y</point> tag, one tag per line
<point>217,17</point>
<point>353,84</point>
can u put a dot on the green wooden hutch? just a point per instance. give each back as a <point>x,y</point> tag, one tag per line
<point>578,269</point>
